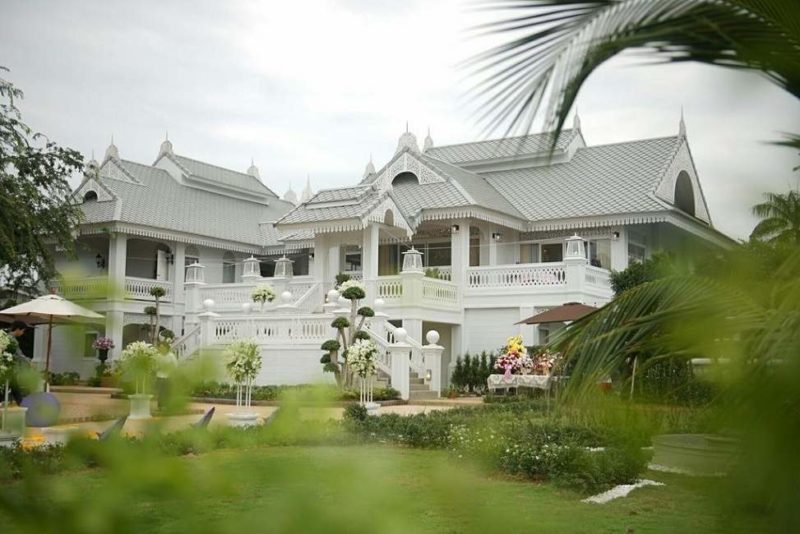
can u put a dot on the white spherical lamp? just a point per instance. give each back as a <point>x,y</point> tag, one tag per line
<point>432,336</point>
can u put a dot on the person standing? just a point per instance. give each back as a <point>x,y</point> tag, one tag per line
<point>17,331</point>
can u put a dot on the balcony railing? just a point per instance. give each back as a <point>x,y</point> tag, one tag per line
<point>273,330</point>
<point>99,288</point>
<point>517,276</point>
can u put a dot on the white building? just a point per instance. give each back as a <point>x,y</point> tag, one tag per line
<point>492,219</point>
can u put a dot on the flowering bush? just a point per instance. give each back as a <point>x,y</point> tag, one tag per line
<point>8,346</point>
<point>361,357</point>
<point>103,343</point>
<point>352,290</point>
<point>137,363</point>
<point>544,362</point>
<point>263,293</point>
<point>243,360</point>
<point>515,359</point>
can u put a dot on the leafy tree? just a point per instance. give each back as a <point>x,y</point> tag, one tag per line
<point>457,379</point>
<point>35,198</point>
<point>780,218</point>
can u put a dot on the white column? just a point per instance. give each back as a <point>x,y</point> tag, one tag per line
<point>484,238</point>
<point>117,256</point>
<point>398,352</point>
<point>334,262</point>
<point>369,258</point>
<point>459,252</point>
<point>619,249</point>
<point>115,322</point>
<point>178,260</point>
<point>321,260</point>
<point>493,245</point>
<point>432,358</point>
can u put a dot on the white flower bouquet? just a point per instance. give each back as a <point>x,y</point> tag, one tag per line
<point>243,363</point>
<point>262,294</point>
<point>361,358</point>
<point>138,362</point>
<point>352,289</point>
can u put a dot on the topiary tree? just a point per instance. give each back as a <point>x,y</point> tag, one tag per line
<point>151,313</point>
<point>349,330</point>
<point>157,292</point>
<point>457,379</point>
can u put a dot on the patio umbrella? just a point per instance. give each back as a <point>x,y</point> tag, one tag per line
<point>49,309</point>
<point>571,311</point>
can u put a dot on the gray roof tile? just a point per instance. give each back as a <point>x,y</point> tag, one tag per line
<point>509,147</point>
<point>224,176</point>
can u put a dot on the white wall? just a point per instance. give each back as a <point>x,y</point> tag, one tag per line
<point>292,365</point>
<point>488,329</point>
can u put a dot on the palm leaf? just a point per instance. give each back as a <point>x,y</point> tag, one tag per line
<point>554,45</point>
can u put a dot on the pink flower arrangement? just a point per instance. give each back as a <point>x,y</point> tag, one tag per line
<point>515,360</point>
<point>544,362</point>
<point>103,343</point>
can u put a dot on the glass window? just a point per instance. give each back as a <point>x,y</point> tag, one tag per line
<point>438,254</point>
<point>352,258</point>
<point>552,252</point>
<point>635,253</point>
<point>600,253</point>
<point>228,268</point>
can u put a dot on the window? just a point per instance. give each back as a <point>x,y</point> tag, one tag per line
<point>600,253</point>
<point>228,268</point>
<point>88,339</point>
<point>352,258</point>
<point>90,195</point>
<point>684,195</point>
<point>552,252</point>
<point>635,253</point>
<point>437,254</point>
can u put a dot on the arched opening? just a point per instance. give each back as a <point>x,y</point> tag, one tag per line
<point>405,178</point>
<point>90,195</point>
<point>388,218</point>
<point>228,268</point>
<point>684,194</point>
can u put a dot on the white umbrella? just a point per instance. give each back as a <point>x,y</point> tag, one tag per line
<point>50,309</point>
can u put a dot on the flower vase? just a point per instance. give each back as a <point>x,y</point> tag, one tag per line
<point>366,396</point>
<point>243,416</point>
<point>102,355</point>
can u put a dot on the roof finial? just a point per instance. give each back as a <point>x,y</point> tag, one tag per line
<point>406,125</point>
<point>166,135</point>
<point>253,170</point>
<point>428,143</point>
<point>307,192</point>
<point>370,168</point>
<point>112,151</point>
<point>576,120</point>
<point>166,145</point>
<point>682,125</point>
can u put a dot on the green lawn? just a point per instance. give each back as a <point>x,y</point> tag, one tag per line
<point>340,489</point>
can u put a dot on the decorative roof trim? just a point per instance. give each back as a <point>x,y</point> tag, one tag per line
<point>326,227</point>
<point>166,235</point>
<point>598,221</point>
<point>474,212</point>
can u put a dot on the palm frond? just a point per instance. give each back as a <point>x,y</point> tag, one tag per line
<point>556,44</point>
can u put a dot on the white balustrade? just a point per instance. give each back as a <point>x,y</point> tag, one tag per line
<point>597,276</point>
<point>354,275</point>
<point>185,345</point>
<point>275,330</point>
<point>513,276</point>
<point>439,292</point>
<point>139,288</point>
<point>93,287</point>
<point>389,288</point>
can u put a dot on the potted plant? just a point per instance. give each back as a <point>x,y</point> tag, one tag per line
<point>103,345</point>
<point>243,362</point>
<point>137,364</point>
<point>263,294</point>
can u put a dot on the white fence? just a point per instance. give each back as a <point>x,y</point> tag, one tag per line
<point>100,287</point>
<point>517,276</point>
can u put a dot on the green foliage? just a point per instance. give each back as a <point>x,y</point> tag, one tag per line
<point>354,293</point>
<point>361,334</point>
<point>638,273</point>
<point>150,310</point>
<point>341,278</point>
<point>471,372</point>
<point>355,413</point>
<point>331,345</point>
<point>157,292</point>
<point>69,378</point>
<point>366,311</point>
<point>519,440</point>
<point>35,197</point>
<point>340,323</point>
<point>326,358</point>
<point>780,218</point>
<point>215,390</point>
<point>432,272</point>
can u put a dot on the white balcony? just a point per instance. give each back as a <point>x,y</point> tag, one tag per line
<point>99,288</point>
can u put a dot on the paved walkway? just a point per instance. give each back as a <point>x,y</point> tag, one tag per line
<point>85,406</point>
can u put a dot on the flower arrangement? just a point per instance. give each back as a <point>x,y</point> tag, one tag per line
<point>103,343</point>
<point>8,347</point>
<point>138,362</point>
<point>263,293</point>
<point>515,359</point>
<point>243,362</point>
<point>361,358</point>
<point>545,361</point>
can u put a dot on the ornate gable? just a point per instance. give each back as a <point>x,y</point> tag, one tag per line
<point>682,163</point>
<point>93,185</point>
<point>407,162</point>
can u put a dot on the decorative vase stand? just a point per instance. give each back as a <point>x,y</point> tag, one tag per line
<point>243,419</point>
<point>140,406</point>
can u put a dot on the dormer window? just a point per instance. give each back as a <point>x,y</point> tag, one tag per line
<point>90,195</point>
<point>684,194</point>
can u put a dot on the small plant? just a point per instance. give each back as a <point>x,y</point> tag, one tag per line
<point>263,294</point>
<point>341,278</point>
<point>243,363</point>
<point>138,363</point>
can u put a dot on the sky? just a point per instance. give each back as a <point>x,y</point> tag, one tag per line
<point>314,88</point>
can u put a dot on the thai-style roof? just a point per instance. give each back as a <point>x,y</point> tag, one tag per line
<point>144,195</point>
<point>509,147</point>
<point>223,176</point>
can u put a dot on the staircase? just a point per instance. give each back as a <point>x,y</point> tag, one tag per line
<point>419,390</point>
